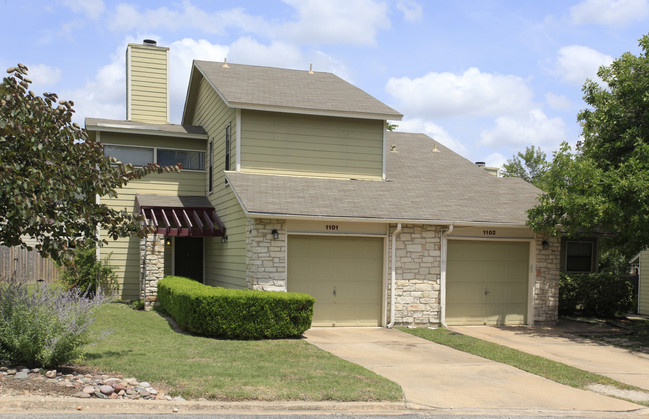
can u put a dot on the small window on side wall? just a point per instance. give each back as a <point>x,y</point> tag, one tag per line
<point>227,147</point>
<point>580,256</point>
<point>211,167</point>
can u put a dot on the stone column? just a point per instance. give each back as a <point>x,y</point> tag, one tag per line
<point>546,284</point>
<point>265,255</point>
<point>418,275</point>
<point>152,268</point>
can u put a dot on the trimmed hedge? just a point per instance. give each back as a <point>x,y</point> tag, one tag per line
<point>601,295</point>
<point>235,314</point>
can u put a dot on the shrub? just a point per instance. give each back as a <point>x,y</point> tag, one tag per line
<point>87,273</point>
<point>595,294</point>
<point>45,326</point>
<point>235,314</point>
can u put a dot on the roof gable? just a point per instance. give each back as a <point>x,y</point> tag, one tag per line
<point>284,90</point>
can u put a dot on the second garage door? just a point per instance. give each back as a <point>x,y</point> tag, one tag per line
<point>486,282</point>
<point>344,274</point>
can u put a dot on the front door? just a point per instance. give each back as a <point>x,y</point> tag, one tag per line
<point>188,257</point>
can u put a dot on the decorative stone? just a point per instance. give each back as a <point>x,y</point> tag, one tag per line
<point>106,389</point>
<point>22,375</point>
<point>144,384</point>
<point>119,387</point>
<point>50,374</point>
<point>82,395</point>
<point>88,389</point>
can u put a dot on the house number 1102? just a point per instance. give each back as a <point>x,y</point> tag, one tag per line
<point>489,232</point>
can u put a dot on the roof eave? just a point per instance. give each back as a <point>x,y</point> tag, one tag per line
<point>319,112</point>
<point>142,130</point>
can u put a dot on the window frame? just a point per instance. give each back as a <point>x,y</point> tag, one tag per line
<point>210,175</point>
<point>228,145</point>
<point>155,153</point>
<point>593,255</point>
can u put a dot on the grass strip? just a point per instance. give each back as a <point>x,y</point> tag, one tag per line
<point>145,345</point>
<point>543,367</point>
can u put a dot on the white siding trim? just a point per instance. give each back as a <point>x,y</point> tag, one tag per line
<point>530,284</point>
<point>238,140</point>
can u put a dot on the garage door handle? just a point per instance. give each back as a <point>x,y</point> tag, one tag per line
<point>334,291</point>
<point>486,292</point>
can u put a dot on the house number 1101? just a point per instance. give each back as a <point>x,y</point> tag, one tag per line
<point>331,227</point>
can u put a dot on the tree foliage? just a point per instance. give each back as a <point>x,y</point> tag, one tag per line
<point>51,173</point>
<point>604,185</point>
<point>530,165</point>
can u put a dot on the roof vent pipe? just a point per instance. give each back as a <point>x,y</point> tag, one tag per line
<point>480,164</point>
<point>149,42</point>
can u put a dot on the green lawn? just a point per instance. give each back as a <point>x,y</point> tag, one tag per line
<point>552,370</point>
<point>144,345</point>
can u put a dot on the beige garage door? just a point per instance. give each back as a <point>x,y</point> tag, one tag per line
<point>344,274</point>
<point>486,282</point>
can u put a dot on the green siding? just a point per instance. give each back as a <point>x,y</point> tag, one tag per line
<point>308,145</point>
<point>124,253</point>
<point>148,84</point>
<point>643,283</point>
<point>225,263</point>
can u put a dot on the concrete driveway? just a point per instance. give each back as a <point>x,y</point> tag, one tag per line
<point>435,376</point>
<point>562,343</point>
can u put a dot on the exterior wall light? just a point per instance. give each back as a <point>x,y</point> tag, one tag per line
<point>275,234</point>
<point>546,245</point>
<point>168,241</point>
<point>224,239</point>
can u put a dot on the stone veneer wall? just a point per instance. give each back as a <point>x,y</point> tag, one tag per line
<point>546,285</point>
<point>152,268</point>
<point>418,275</point>
<point>265,256</point>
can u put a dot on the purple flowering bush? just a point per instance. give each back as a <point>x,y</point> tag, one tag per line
<point>45,326</point>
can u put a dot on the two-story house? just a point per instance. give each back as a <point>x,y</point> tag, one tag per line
<point>291,182</point>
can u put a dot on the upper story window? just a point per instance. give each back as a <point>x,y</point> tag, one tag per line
<point>141,156</point>
<point>580,256</point>
<point>227,147</point>
<point>137,156</point>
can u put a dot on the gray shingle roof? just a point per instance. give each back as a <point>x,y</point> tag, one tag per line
<point>99,124</point>
<point>283,90</point>
<point>422,185</point>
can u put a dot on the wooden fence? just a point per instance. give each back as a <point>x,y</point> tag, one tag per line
<point>26,265</point>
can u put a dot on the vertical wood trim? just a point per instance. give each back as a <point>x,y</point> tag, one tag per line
<point>128,83</point>
<point>167,92</point>
<point>383,174</point>
<point>238,139</point>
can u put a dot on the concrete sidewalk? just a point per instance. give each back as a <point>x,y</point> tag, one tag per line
<point>435,376</point>
<point>562,345</point>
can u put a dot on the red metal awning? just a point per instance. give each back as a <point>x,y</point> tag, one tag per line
<point>183,221</point>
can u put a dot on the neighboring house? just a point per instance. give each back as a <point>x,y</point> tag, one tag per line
<point>292,183</point>
<point>641,265</point>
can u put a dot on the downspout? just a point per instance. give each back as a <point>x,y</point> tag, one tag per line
<point>442,286</point>
<point>393,280</point>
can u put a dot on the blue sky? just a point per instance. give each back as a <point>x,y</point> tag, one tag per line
<point>486,78</point>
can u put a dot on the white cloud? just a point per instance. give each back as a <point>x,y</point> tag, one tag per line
<point>609,12</point>
<point>181,55</point>
<point>412,11</point>
<point>355,22</point>
<point>558,102</point>
<point>43,76</point>
<point>434,131</point>
<point>576,63</point>
<point>128,17</point>
<point>495,160</point>
<point>90,8</point>
<point>536,128</point>
<point>105,95</point>
<point>472,93</point>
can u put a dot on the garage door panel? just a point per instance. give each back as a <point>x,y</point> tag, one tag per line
<point>487,282</point>
<point>352,266</point>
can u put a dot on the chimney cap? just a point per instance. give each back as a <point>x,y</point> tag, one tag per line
<point>151,42</point>
<point>480,164</point>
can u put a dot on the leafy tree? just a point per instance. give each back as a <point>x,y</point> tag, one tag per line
<point>51,173</point>
<point>604,184</point>
<point>530,166</point>
<point>390,126</point>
